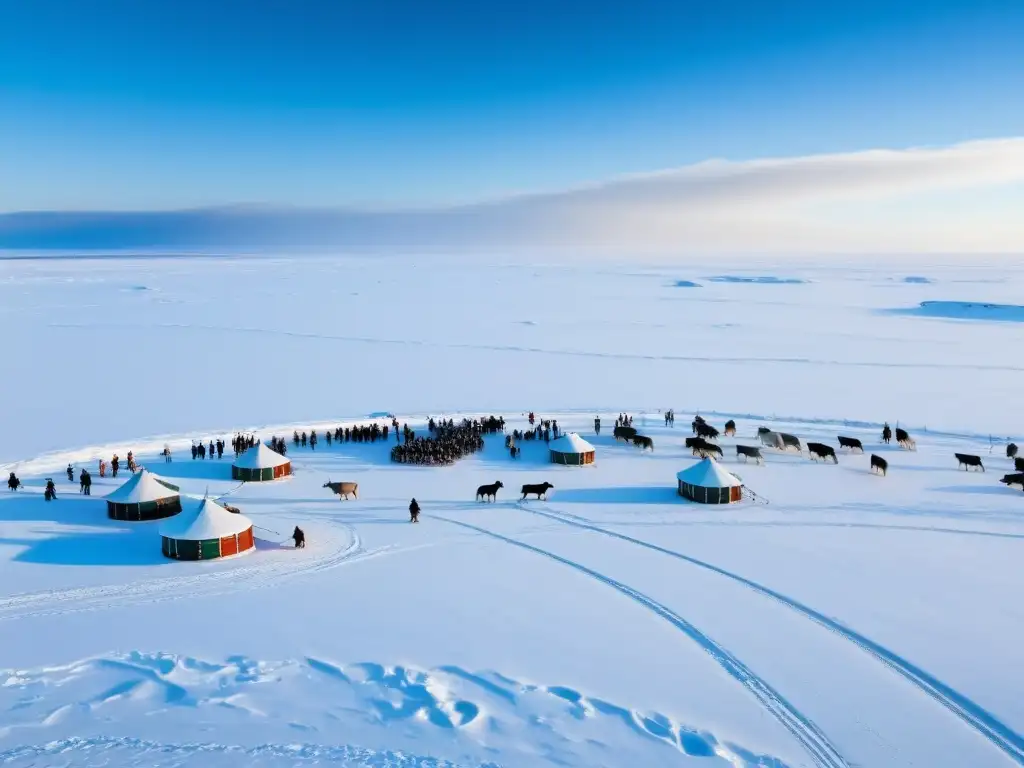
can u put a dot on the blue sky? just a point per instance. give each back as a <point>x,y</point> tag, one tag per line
<point>156,105</point>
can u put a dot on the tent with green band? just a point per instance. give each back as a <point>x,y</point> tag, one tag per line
<point>260,463</point>
<point>144,497</point>
<point>206,533</point>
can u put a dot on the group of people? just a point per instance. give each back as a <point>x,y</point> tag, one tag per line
<point>670,418</point>
<point>84,480</point>
<point>447,443</point>
<point>200,450</point>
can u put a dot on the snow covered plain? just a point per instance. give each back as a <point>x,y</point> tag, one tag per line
<point>853,620</point>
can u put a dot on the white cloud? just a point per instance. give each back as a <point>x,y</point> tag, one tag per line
<point>966,197</point>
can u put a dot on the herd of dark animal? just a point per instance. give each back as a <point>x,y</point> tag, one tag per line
<point>448,442</point>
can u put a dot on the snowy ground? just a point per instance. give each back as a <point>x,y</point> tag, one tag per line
<point>853,620</point>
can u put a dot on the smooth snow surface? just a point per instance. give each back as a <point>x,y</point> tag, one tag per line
<point>140,487</point>
<point>207,520</point>
<point>839,618</point>
<point>708,474</point>
<point>571,443</point>
<point>260,457</point>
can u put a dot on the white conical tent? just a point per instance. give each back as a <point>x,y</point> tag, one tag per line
<point>707,483</point>
<point>143,497</point>
<point>206,532</point>
<point>260,463</point>
<point>570,448</point>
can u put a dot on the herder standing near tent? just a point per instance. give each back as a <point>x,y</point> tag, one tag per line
<point>207,533</point>
<point>144,497</point>
<point>260,463</point>
<point>571,449</point>
<point>707,483</point>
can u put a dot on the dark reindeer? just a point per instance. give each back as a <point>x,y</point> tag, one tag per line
<point>851,444</point>
<point>748,452</point>
<point>486,492</point>
<point>822,451</point>
<point>967,461</point>
<point>343,489</point>
<point>643,443</point>
<point>539,489</point>
<point>879,465</point>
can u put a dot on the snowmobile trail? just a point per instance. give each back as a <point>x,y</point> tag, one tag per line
<point>988,725</point>
<point>206,584</point>
<point>799,725</point>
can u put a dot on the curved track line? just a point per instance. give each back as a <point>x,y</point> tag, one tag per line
<point>987,724</point>
<point>799,725</point>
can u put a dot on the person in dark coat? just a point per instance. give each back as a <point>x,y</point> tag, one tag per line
<point>299,536</point>
<point>213,449</point>
<point>195,451</point>
<point>597,425</point>
<point>71,474</point>
<point>86,481</point>
<point>51,490</point>
<point>414,512</point>
<point>13,483</point>
<point>114,464</point>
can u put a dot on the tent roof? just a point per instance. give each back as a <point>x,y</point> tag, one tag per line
<point>141,487</point>
<point>260,457</point>
<point>207,521</point>
<point>571,443</point>
<point>708,474</point>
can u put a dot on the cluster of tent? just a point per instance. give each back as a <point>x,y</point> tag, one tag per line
<point>207,530</point>
<point>705,482</point>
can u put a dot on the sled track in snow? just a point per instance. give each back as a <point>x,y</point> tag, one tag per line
<point>988,725</point>
<point>204,584</point>
<point>800,726</point>
<point>138,752</point>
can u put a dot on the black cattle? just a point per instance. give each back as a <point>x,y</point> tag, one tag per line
<point>789,441</point>
<point>1011,451</point>
<point>1018,463</point>
<point>540,489</point>
<point>730,428</point>
<point>489,491</point>
<point>749,453</point>
<point>624,433</point>
<point>706,431</point>
<point>762,431</point>
<point>879,465</point>
<point>852,443</point>
<point>904,439</point>
<point>822,451</point>
<point>1014,479</point>
<point>967,461</point>
<point>642,442</point>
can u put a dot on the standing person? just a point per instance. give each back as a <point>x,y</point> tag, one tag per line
<point>71,474</point>
<point>167,453</point>
<point>220,449</point>
<point>312,440</point>
<point>597,425</point>
<point>103,468</point>
<point>195,451</point>
<point>213,449</point>
<point>414,512</point>
<point>114,464</point>
<point>51,489</point>
<point>299,536</point>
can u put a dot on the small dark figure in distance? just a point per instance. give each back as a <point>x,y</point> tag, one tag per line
<point>822,451</point>
<point>597,425</point>
<point>886,433</point>
<point>71,473</point>
<point>967,461</point>
<point>1011,451</point>
<point>748,452</point>
<point>851,443</point>
<point>879,465</point>
<point>730,428</point>
<point>299,536</point>
<point>13,483</point>
<point>414,511</point>
<point>643,443</point>
<point>1014,479</point>
<point>486,492</point>
<point>538,489</point>
<point>51,490</point>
